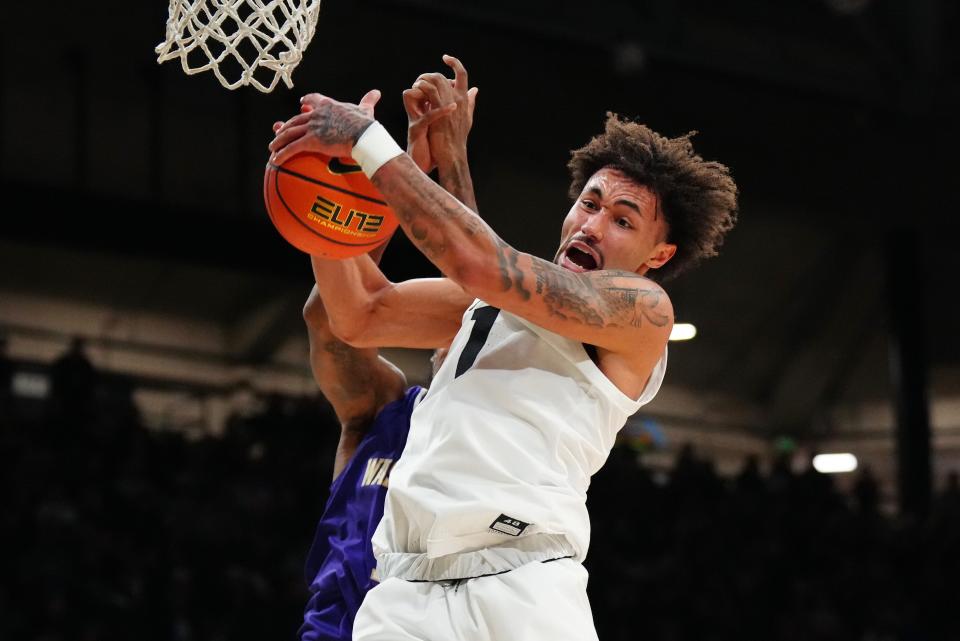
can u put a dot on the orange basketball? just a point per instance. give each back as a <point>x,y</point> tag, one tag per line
<point>326,206</point>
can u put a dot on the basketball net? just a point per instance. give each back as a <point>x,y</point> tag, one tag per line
<point>239,38</point>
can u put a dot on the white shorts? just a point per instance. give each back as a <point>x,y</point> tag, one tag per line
<point>535,602</point>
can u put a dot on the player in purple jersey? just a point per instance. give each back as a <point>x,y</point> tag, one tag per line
<point>368,394</point>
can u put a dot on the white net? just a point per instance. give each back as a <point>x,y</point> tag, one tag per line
<point>244,42</point>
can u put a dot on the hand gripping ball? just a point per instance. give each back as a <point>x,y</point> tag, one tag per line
<point>326,206</point>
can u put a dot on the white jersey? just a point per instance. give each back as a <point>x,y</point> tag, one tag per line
<point>500,453</point>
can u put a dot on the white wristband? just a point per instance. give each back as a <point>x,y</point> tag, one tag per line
<point>374,148</point>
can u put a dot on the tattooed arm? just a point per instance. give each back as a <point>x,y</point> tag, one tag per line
<point>356,382</point>
<point>371,310</point>
<point>618,311</point>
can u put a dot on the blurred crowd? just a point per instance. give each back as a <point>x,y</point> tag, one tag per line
<point>781,556</point>
<point>113,531</point>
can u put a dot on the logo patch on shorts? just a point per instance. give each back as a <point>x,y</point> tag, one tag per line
<point>508,525</point>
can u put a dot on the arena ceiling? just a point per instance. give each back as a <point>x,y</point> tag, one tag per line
<point>130,185</point>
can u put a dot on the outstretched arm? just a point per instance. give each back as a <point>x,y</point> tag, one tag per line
<point>619,311</point>
<point>371,310</point>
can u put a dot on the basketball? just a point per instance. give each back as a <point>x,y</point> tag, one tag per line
<point>326,206</point>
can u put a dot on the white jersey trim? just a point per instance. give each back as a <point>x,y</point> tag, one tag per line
<point>465,565</point>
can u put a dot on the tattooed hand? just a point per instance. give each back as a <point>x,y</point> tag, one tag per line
<point>324,125</point>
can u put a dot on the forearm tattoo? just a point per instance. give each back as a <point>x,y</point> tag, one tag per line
<point>511,276</point>
<point>596,299</point>
<point>430,215</point>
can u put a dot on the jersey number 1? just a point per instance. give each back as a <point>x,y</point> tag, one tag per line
<point>483,318</point>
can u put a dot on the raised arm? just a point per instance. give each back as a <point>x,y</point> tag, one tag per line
<point>441,141</point>
<point>618,311</point>
<point>356,382</point>
<point>371,310</point>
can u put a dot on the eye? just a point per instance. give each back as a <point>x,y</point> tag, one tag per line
<point>589,204</point>
<point>625,223</point>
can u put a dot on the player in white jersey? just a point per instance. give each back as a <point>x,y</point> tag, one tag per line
<point>485,524</point>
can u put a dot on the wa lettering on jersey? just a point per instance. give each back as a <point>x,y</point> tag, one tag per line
<point>377,472</point>
<point>340,563</point>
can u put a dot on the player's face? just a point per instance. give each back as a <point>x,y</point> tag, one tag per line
<point>614,224</point>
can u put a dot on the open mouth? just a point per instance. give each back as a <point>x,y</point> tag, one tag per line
<point>580,257</point>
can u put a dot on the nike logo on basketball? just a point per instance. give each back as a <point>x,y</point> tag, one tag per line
<point>337,166</point>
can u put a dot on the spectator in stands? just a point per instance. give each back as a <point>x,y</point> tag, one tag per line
<point>866,492</point>
<point>73,383</point>
<point>750,481</point>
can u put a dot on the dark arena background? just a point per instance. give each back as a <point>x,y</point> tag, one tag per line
<point>165,453</point>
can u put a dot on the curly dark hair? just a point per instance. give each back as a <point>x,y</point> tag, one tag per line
<point>698,198</point>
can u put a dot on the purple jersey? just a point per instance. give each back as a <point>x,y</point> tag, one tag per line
<point>340,563</point>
